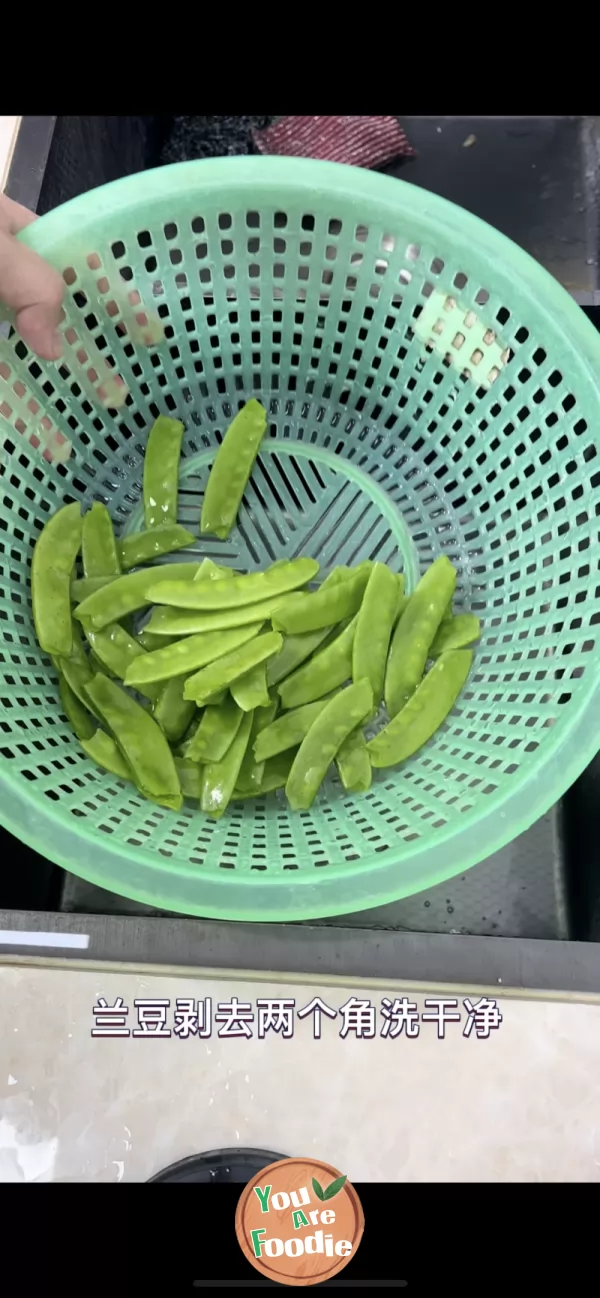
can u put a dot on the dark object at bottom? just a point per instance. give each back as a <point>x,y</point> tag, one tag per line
<point>231,1165</point>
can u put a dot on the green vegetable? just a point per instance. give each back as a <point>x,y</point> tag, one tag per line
<point>186,656</point>
<point>374,627</point>
<point>219,696</point>
<point>190,778</point>
<point>173,713</point>
<point>184,621</point>
<point>127,594</point>
<point>116,649</point>
<point>216,571</point>
<point>250,691</point>
<point>78,675</point>
<point>161,470</point>
<point>250,588</point>
<point>220,674</point>
<point>325,607</point>
<point>219,778</point>
<point>288,730</point>
<point>231,469</point>
<point>415,633</point>
<point>150,642</point>
<point>98,545</point>
<point>343,713</point>
<point>75,712</point>
<point>403,603</point>
<point>275,774</point>
<point>54,556</point>
<point>82,587</point>
<point>142,547</point>
<point>104,752</point>
<point>425,711</point>
<point>325,672</point>
<point>455,633</point>
<point>140,740</point>
<point>297,648</point>
<point>217,730</point>
<point>251,772</point>
<point>353,763</point>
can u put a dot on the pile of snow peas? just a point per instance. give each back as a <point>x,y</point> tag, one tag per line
<point>236,685</point>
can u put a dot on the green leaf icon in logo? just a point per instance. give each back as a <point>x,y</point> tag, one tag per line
<point>318,1189</point>
<point>334,1188</point>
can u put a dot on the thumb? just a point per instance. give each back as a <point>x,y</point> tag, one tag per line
<point>34,291</point>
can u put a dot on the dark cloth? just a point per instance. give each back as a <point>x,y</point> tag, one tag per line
<point>212,137</point>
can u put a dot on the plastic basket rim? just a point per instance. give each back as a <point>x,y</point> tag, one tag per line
<point>292,175</point>
<point>545,780</point>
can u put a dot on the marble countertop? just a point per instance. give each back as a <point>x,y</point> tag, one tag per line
<point>522,1104</point>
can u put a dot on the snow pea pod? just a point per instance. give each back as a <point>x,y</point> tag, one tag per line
<point>216,571</point>
<point>374,627</point>
<point>76,714</point>
<point>425,711</point>
<point>143,547</point>
<point>219,696</point>
<point>77,654</point>
<point>217,730</point>
<point>214,700</point>
<point>353,764</point>
<point>250,691</point>
<point>251,771</point>
<point>149,641</point>
<point>323,741</point>
<point>161,471</point>
<point>126,594</point>
<point>220,674</point>
<point>248,588</point>
<point>181,749</point>
<point>81,587</point>
<point>186,655</point>
<point>185,621</point>
<point>190,778</point>
<point>455,633</point>
<point>231,469</point>
<point>403,602</point>
<point>297,648</point>
<point>96,665</point>
<point>324,607</point>
<point>78,675</point>
<point>288,730</point>
<point>173,713</point>
<point>54,556</point>
<point>274,777</point>
<point>116,649</point>
<point>140,740</point>
<point>323,673</point>
<point>104,752</point>
<point>219,778</point>
<point>415,633</point>
<point>98,545</point>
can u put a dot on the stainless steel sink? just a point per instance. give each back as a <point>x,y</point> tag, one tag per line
<point>527,917</point>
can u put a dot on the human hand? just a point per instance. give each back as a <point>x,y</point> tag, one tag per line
<point>28,285</point>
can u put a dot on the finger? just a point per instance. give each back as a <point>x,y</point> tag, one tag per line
<point>34,291</point>
<point>13,216</point>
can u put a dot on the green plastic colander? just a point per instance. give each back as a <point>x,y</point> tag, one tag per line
<point>430,389</point>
